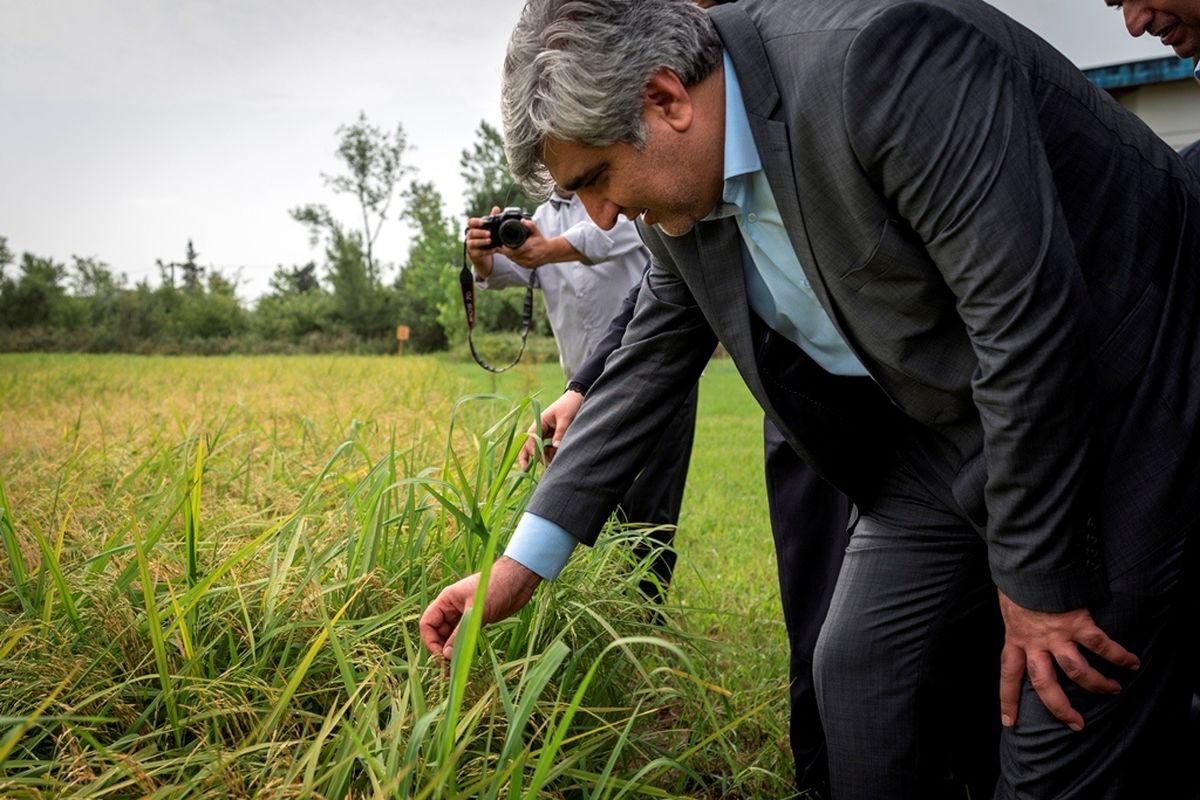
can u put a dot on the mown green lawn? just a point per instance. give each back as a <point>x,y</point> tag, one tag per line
<point>212,568</point>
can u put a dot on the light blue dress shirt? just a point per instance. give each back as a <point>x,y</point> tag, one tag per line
<point>776,289</point>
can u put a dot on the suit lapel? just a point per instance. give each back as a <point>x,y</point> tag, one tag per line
<point>721,257</point>
<point>762,99</point>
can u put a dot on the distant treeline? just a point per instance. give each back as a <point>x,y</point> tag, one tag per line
<point>346,304</point>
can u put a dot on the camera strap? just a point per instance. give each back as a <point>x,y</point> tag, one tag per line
<point>466,284</point>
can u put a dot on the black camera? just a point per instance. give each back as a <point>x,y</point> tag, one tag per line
<point>507,228</point>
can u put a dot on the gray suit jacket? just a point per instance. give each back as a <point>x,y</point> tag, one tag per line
<point>1011,255</point>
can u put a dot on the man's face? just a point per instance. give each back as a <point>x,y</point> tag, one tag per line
<point>674,181</point>
<point>1176,22</point>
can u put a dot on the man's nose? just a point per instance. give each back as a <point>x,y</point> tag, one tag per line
<point>1137,18</point>
<point>602,212</point>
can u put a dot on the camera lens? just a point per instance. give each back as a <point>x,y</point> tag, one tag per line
<point>512,233</point>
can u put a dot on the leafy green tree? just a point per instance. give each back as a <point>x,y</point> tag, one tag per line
<point>143,317</point>
<point>94,304</point>
<point>484,167</point>
<point>297,280</point>
<point>428,284</point>
<point>360,304</point>
<point>213,310</point>
<point>373,162</point>
<point>6,256</point>
<point>38,297</point>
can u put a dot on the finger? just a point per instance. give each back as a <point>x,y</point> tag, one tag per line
<point>1076,667</point>
<point>527,452</point>
<point>1097,641</point>
<point>448,650</point>
<point>1012,672</point>
<point>1044,680</point>
<point>433,627</point>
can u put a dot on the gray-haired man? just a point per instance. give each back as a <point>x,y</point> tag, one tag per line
<point>965,285</point>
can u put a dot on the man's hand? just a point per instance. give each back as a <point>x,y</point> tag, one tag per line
<point>1034,641</point>
<point>479,250</point>
<point>510,586</point>
<point>556,418</point>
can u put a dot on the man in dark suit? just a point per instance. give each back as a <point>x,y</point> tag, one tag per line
<point>963,282</point>
<point>810,526</point>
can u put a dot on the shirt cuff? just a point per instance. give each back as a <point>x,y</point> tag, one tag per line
<point>541,546</point>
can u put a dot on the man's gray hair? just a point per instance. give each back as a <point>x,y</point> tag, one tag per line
<point>576,70</point>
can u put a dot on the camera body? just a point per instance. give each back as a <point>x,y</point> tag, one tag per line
<point>507,228</point>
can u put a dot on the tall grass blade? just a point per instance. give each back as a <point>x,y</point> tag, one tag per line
<point>191,514</point>
<point>50,564</point>
<point>154,630</point>
<point>8,532</point>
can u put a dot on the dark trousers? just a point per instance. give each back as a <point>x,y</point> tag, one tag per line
<point>656,495</point>
<point>898,680</point>
<point>810,524</point>
<point>906,667</point>
<point>851,429</point>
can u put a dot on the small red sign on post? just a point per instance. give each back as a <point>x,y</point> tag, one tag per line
<point>401,338</point>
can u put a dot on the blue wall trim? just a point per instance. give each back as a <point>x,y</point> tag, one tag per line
<point>1140,73</point>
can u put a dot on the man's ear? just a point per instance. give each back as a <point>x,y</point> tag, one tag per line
<point>667,99</point>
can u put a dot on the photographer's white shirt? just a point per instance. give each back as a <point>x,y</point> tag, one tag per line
<point>581,299</point>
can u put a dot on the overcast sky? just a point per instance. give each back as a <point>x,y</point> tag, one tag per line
<point>129,126</point>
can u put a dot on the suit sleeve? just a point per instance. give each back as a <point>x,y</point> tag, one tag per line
<point>944,122</point>
<point>664,350</point>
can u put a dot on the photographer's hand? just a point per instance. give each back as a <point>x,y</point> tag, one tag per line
<point>478,251</point>
<point>538,250</point>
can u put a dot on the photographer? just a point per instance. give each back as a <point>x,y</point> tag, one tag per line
<point>585,274</point>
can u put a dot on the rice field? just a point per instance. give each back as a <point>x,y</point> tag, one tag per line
<point>211,571</point>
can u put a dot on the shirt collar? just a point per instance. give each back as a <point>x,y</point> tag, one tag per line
<point>741,154</point>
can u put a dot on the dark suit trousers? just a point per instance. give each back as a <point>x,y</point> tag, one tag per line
<point>850,419</point>
<point>656,495</point>
<point>906,668</point>
<point>810,524</point>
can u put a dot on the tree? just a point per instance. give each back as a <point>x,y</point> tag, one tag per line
<point>6,256</point>
<point>37,297</point>
<point>297,280</point>
<point>374,166</point>
<point>212,310</point>
<point>485,170</point>
<point>91,277</point>
<point>428,285</point>
<point>97,291</point>
<point>192,272</point>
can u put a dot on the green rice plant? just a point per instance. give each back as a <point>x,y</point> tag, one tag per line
<point>19,588</point>
<point>221,600</point>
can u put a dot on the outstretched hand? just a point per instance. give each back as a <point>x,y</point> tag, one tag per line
<point>509,588</point>
<point>555,420</point>
<point>1034,641</point>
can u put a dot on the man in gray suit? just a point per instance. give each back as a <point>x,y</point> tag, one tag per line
<point>963,282</point>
